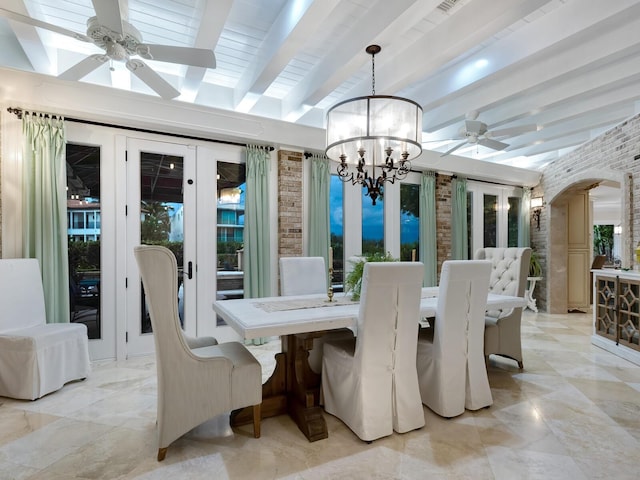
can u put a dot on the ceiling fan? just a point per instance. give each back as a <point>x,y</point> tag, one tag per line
<point>121,41</point>
<point>476,132</point>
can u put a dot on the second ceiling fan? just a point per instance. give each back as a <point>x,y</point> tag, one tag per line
<point>476,132</point>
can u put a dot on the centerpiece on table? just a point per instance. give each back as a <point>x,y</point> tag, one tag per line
<point>353,280</point>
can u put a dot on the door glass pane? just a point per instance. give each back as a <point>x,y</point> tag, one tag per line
<point>336,221</point>
<point>230,231</point>
<point>372,225</point>
<point>161,214</point>
<point>83,230</point>
<point>490,217</point>
<point>512,221</point>
<point>409,222</point>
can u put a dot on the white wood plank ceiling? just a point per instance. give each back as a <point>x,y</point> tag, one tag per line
<point>569,67</point>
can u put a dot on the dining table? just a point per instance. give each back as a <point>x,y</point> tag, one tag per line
<point>294,388</point>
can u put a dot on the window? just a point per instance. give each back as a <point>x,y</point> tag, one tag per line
<point>492,215</point>
<point>336,227</point>
<point>372,225</point>
<point>409,222</point>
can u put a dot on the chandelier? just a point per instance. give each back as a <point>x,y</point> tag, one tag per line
<point>377,131</point>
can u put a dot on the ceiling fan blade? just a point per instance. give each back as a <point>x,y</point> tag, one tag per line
<point>475,126</point>
<point>197,57</point>
<point>84,67</point>
<point>108,13</point>
<point>453,149</point>
<point>510,132</point>
<point>47,26</point>
<point>495,144</point>
<point>152,79</point>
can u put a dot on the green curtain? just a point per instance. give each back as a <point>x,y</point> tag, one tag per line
<point>319,230</point>
<point>428,239</point>
<point>459,235</point>
<point>44,208</point>
<point>524,222</point>
<point>257,248</point>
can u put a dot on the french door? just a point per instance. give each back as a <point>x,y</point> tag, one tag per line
<point>160,210</point>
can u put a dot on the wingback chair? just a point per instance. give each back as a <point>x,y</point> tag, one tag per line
<point>370,382</point>
<point>510,268</point>
<point>194,384</point>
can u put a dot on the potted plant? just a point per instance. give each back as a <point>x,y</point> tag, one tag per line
<point>535,269</point>
<point>353,280</point>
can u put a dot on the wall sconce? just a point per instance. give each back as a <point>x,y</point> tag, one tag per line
<point>536,204</point>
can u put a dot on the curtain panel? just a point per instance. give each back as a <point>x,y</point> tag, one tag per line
<point>257,248</point>
<point>524,221</point>
<point>428,236</point>
<point>459,235</point>
<point>44,208</point>
<point>319,229</point>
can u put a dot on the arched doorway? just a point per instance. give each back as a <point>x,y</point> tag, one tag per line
<point>567,257</point>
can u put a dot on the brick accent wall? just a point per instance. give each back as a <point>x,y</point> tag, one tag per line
<point>290,203</point>
<point>443,218</point>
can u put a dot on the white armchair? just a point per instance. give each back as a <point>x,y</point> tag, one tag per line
<point>194,385</point>
<point>371,382</point>
<point>36,357</point>
<point>510,268</point>
<point>451,370</point>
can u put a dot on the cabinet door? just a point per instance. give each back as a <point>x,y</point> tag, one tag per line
<point>578,253</point>
<point>605,305</point>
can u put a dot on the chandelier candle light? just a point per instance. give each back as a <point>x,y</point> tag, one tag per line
<point>376,128</point>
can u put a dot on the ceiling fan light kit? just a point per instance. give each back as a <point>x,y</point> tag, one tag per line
<point>120,41</point>
<point>475,132</point>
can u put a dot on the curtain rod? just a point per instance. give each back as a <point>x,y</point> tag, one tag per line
<point>18,113</point>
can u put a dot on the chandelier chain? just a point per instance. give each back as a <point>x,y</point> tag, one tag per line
<point>373,74</point>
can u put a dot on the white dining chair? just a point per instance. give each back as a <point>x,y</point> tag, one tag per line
<point>194,384</point>
<point>451,370</point>
<point>302,275</point>
<point>371,382</point>
<point>305,276</point>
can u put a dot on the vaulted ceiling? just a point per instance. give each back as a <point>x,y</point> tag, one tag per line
<point>559,71</point>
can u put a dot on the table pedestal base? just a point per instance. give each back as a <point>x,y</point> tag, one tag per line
<point>293,388</point>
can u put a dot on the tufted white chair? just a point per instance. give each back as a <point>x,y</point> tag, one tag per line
<point>371,382</point>
<point>510,268</point>
<point>194,384</point>
<point>451,371</point>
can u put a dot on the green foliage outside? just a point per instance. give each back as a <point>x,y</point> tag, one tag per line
<point>353,281</point>
<point>603,241</point>
<point>156,225</point>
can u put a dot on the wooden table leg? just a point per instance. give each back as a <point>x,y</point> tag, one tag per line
<point>274,396</point>
<point>303,387</point>
<point>293,388</point>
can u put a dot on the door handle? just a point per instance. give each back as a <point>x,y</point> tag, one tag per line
<point>190,270</point>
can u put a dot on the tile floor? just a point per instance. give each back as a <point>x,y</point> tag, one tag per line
<point>573,413</point>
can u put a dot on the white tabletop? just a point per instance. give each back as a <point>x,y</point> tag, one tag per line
<point>275,316</point>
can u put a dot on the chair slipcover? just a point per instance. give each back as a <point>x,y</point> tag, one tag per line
<point>371,382</point>
<point>36,358</point>
<point>194,385</point>
<point>302,275</point>
<point>510,268</point>
<point>451,369</point>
